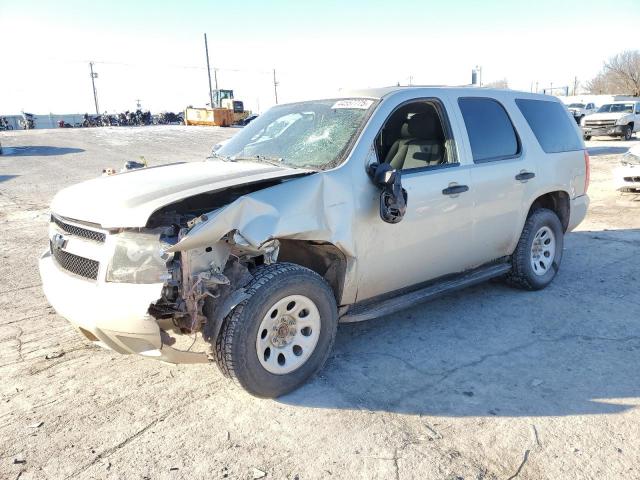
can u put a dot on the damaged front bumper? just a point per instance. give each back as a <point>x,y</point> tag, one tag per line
<point>111,315</point>
<point>608,131</point>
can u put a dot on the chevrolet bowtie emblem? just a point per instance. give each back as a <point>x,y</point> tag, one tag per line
<point>59,241</point>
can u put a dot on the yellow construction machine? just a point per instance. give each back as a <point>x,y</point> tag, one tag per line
<point>226,111</point>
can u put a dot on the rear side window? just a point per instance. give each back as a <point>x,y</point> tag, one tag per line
<point>491,133</point>
<point>551,125</point>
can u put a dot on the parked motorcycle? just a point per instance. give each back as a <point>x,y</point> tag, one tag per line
<point>168,118</point>
<point>131,118</point>
<point>4,124</point>
<point>90,121</point>
<point>142,118</point>
<point>108,121</point>
<point>27,122</point>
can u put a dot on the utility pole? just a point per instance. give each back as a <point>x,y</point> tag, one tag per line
<point>575,85</point>
<point>94,75</point>
<point>138,104</point>
<point>275,85</point>
<point>206,49</point>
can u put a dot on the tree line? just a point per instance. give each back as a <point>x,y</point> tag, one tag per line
<point>619,75</point>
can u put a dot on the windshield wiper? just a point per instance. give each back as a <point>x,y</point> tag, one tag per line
<point>213,155</point>
<point>278,162</point>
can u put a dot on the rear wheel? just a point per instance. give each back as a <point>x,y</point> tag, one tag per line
<point>282,334</point>
<point>538,254</point>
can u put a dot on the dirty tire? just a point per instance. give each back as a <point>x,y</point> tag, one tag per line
<point>626,133</point>
<point>236,353</point>
<point>522,274</point>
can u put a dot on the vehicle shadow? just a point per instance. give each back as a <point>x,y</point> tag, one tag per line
<point>571,349</point>
<point>38,151</point>
<point>596,151</point>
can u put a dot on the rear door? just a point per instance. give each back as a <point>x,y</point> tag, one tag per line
<point>503,177</point>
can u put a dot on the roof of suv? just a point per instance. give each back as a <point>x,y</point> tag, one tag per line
<point>386,91</point>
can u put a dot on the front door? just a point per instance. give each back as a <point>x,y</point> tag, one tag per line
<point>433,238</point>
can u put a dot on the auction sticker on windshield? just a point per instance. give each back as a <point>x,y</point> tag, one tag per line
<point>361,103</point>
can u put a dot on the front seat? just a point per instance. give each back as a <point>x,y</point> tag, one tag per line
<point>421,143</point>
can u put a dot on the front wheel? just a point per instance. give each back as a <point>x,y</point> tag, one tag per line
<point>272,342</point>
<point>626,133</point>
<point>537,257</point>
<point>587,137</point>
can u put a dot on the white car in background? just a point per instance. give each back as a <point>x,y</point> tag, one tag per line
<point>581,110</point>
<point>616,119</point>
<point>627,177</point>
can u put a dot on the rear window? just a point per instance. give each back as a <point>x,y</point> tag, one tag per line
<point>491,133</point>
<point>551,125</point>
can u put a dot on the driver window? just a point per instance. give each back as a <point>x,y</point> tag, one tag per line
<point>415,137</point>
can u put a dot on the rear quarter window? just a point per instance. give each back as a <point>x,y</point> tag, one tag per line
<point>491,134</point>
<point>551,125</point>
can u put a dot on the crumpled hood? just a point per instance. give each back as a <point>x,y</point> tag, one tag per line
<point>607,116</point>
<point>129,199</point>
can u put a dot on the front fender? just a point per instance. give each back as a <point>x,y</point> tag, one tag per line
<point>317,207</point>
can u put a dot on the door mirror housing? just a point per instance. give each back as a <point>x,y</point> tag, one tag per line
<point>393,198</point>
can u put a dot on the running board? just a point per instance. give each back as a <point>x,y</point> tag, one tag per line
<point>368,310</point>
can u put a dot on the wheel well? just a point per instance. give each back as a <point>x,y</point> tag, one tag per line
<point>557,202</point>
<point>323,258</point>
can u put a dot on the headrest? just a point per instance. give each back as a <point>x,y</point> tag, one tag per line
<point>425,125</point>
<point>404,131</point>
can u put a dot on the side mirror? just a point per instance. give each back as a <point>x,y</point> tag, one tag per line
<point>393,198</point>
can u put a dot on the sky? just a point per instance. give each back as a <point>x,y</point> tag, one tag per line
<point>153,51</point>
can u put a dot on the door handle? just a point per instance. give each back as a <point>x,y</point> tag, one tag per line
<point>525,176</point>
<point>455,189</point>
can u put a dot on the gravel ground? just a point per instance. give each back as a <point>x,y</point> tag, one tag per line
<point>486,383</point>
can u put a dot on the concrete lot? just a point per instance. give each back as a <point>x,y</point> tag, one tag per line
<point>487,383</point>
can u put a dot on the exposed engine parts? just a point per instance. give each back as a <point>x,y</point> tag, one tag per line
<point>205,284</point>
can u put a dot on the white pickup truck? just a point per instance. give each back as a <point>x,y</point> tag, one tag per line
<point>616,119</point>
<point>581,110</point>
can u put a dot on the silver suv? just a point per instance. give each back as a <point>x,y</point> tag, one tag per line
<point>317,212</point>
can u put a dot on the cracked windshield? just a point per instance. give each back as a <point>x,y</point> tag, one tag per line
<point>312,135</point>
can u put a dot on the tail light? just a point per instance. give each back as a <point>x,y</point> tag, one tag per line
<point>587,170</point>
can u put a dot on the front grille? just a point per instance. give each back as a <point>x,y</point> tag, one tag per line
<point>599,123</point>
<point>632,179</point>
<point>73,263</point>
<point>79,231</point>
